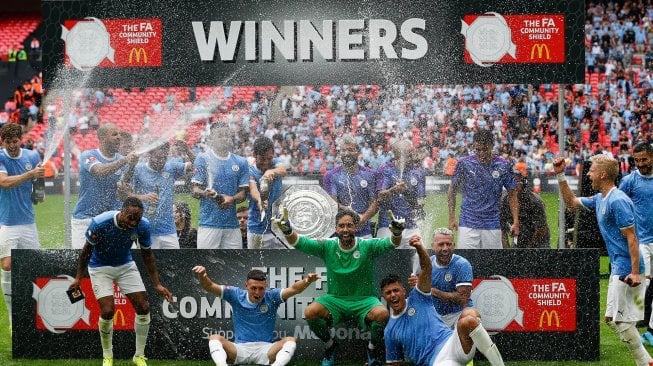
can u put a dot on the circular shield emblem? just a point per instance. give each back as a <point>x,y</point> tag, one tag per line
<point>28,166</point>
<point>411,312</point>
<point>134,237</point>
<point>356,254</point>
<point>488,39</point>
<point>311,210</point>
<point>495,174</point>
<point>447,277</point>
<point>363,183</point>
<point>263,308</point>
<point>497,302</point>
<point>87,43</point>
<point>54,307</point>
<point>235,168</point>
<point>413,181</point>
<point>165,175</point>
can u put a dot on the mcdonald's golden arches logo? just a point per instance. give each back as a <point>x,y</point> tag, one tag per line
<point>121,315</point>
<point>549,316</point>
<point>137,52</point>
<point>541,49</point>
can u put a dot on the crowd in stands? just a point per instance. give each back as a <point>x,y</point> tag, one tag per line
<point>608,114</point>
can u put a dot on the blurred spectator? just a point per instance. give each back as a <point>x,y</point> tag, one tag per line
<point>186,234</point>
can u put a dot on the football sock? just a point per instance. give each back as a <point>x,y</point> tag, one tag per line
<point>376,334</point>
<point>106,336</point>
<point>320,328</point>
<point>142,328</point>
<point>629,335</point>
<point>285,354</point>
<point>484,344</point>
<point>5,282</point>
<point>218,354</point>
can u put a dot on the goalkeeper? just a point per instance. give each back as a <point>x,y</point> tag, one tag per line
<point>351,292</point>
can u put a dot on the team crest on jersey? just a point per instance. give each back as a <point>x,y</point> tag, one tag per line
<point>263,308</point>
<point>363,183</point>
<point>413,181</point>
<point>356,254</point>
<point>133,237</point>
<point>165,175</point>
<point>495,174</point>
<point>235,168</point>
<point>447,277</point>
<point>28,166</point>
<point>411,312</point>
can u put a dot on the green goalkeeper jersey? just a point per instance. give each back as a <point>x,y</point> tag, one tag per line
<point>349,272</point>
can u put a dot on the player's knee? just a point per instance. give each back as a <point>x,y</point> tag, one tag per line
<point>468,311</point>
<point>289,339</point>
<point>468,322</point>
<point>626,331</point>
<point>142,308</point>
<point>106,314</point>
<point>217,337</point>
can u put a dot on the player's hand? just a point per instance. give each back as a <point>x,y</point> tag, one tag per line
<point>397,225</point>
<point>132,158</point>
<point>514,230</point>
<point>38,171</point>
<point>400,186</point>
<point>226,201</point>
<point>200,271</point>
<point>164,292</point>
<point>312,277</point>
<point>75,284</point>
<point>412,280</point>
<point>282,222</point>
<point>210,193</point>
<point>151,197</point>
<point>415,241</point>
<point>633,280</point>
<point>559,165</point>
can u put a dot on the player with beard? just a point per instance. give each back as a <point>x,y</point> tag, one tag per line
<point>255,314</point>
<point>615,214</point>
<point>416,331</point>
<point>351,293</point>
<point>107,258</point>
<point>265,186</point>
<point>220,181</point>
<point>353,186</point>
<point>638,185</point>
<point>154,184</point>
<point>18,168</point>
<point>100,171</point>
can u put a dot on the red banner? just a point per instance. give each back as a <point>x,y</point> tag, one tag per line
<point>55,313</point>
<point>526,304</point>
<point>131,42</point>
<point>536,38</point>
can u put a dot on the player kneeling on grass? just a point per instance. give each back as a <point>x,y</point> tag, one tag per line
<point>416,331</point>
<point>107,256</point>
<point>255,314</point>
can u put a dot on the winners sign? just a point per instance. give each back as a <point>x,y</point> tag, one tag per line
<point>250,42</point>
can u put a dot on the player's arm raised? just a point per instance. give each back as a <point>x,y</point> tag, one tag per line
<point>299,286</point>
<point>206,282</point>
<point>424,277</point>
<point>570,199</point>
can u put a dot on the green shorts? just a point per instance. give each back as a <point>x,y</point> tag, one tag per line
<point>346,308</point>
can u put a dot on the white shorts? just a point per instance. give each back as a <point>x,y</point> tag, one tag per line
<point>126,277</point>
<point>168,241</point>
<point>265,241</point>
<point>469,238</point>
<point>252,353</point>
<point>452,353</point>
<point>78,229</point>
<point>451,319</point>
<point>212,238</point>
<point>646,251</point>
<point>385,232</point>
<point>18,237</point>
<point>624,303</point>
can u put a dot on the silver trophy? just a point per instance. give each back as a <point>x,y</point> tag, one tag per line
<point>312,212</point>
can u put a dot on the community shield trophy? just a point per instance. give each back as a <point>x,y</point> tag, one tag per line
<point>312,212</point>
